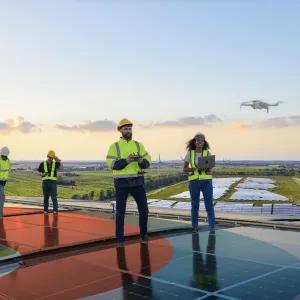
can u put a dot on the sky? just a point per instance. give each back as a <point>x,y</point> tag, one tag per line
<point>70,70</point>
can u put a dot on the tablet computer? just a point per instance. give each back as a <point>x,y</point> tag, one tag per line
<point>135,157</point>
<point>207,162</point>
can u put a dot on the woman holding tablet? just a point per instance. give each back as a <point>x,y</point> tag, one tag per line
<point>199,179</point>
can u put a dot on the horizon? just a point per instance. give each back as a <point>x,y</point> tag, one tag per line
<point>170,160</point>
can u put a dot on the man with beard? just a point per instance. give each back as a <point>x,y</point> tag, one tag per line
<point>128,158</point>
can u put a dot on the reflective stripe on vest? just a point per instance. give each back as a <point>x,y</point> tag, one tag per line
<point>51,177</point>
<point>118,150</point>
<point>196,175</point>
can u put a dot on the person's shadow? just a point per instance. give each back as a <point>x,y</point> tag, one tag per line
<point>51,232</point>
<point>140,287</point>
<point>205,264</point>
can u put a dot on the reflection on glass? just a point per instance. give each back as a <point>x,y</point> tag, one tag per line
<point>205,269</point>
<point>2,230</point>
<point>51,233</point>
<point>3,241</point>
<point>141,285</point>
<point>6,250</point>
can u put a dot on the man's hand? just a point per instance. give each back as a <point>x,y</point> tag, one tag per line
<point>57,159</point>
<point>130,158</point>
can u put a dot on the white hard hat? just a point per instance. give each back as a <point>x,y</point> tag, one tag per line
<point>5,151</point>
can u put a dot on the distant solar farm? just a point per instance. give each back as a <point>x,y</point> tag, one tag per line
<point>244,197</point>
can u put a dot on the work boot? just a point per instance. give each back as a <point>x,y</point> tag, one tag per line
<point>145,237</point>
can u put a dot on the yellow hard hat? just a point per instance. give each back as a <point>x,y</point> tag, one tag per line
<point>124,122</point>
<point>51,154</point>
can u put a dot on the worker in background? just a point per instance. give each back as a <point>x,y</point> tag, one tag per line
<point>5,167</point>
<point>199,180</point>
<point>48,169</point>
<point>128,159</point>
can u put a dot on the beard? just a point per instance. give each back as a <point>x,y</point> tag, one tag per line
<point>127,135</point>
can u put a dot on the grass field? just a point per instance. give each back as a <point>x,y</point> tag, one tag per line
<point>27,183</point>
<point>166,193</point>
<point>297,180</point>
<point>289,187</point>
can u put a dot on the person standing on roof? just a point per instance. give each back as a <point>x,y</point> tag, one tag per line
<point>199,180</point>
<point>128,159</point>
<point>48,170</point>
<point>5,167</point>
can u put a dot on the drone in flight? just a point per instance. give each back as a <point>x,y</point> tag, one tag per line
<point>258,104</point>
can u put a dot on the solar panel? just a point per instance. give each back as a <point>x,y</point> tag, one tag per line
<point>232,262</point>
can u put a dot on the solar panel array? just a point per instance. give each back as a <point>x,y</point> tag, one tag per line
<point>250,190</point>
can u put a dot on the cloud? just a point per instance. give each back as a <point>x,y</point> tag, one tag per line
<point>108,125</point>
<point>280,122</point>
<point>17,124</point>
<point>90,126</point>
<point>191,121</point>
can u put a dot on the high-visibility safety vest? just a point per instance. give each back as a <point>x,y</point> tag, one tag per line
<point>121,150</point>
<point>4,169</point>
<point>52,171</point>
<point>198,175</point>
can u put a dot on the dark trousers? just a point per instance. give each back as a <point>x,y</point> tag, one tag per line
<point>2,198</point>
<point>139,195</point>
<point>50,189</point>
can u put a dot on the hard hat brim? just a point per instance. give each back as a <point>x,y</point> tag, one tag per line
<point>128,125</point>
